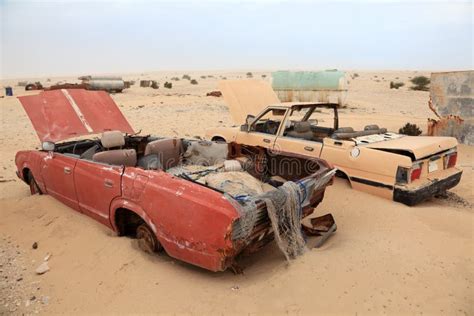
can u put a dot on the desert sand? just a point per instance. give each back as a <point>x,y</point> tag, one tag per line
<point>386,258</point>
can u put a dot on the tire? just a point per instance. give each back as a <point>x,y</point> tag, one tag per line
<point>147,240</point>
<point>34,188</point>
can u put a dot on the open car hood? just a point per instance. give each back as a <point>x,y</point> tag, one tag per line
<point>61,114</point>
<point>419,146</point>
<point>244,97</point>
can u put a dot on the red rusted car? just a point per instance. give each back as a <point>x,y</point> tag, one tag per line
<point>126,181</point>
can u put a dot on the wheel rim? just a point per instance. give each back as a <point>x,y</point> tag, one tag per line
<point>146,240</point>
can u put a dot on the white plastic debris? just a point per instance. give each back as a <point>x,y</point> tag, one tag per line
<point>42,268</point>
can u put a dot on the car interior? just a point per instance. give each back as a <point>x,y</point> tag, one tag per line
<point>161,153</point>
<point>308,128</point>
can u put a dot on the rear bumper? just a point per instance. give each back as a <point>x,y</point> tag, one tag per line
<point>415,196</point>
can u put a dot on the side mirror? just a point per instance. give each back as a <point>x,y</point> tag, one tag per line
<point>47,146</point>
<point>249,120</point>
<point>244,128</point>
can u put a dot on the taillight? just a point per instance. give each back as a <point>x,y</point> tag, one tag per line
<point>450,160</point>
<point>415,172</point>
<point>407,175</point>
<point>402,175</point>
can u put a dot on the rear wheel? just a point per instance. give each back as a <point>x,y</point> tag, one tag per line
<point>147,240</point>
<point>34,188</point>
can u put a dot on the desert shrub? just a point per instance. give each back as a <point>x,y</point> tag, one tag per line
<point>187,77</point>
<point>224,78</point>
<point>396,85</point>
<point>420,83</point>
<point>203,77</point>
<point>174,78</point>
<point>264,76</point>
<point>210,76</point>
<point>168,85</point>
<point>249,74</point>
<point>410,129</point>
<point>193,81</point>
<point>155,84</point>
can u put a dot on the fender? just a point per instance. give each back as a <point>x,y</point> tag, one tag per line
<point>218,136</point>
<point>120,202</point>
<point>21,161</point>
<point>32,161</point>
<point>348,178</point>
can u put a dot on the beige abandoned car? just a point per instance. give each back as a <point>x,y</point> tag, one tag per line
<point>406,169</point>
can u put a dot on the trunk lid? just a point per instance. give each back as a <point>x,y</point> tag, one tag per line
<point>419,146</point>
<point>60,114</point>
<point>244,97</point>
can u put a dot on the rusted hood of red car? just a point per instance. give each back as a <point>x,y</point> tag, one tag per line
<point>61,114</point>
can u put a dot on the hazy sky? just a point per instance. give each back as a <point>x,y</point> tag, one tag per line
<point>79,37</point>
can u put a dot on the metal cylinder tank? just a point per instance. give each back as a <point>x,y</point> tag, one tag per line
<point>308,86</point>
<point>107,85</point>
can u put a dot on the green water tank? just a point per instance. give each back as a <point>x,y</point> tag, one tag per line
<point>333,80</point>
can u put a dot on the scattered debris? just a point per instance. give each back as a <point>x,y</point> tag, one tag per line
<point>60,86</point>
<point>216,94</point>
<point>235,288</point>
<point>323,226</point>
<point>145,83</point>
<point>35,245</point>
<point>452,101</point>
<point>188,77</point>
<point>168,85</point>
<point>193,81</point>
<point>46,258</point>
<point>34,86</point>
<point>42,268</point>
<point>16,288</point>
<point>22,83</point>
<point>8,91</point>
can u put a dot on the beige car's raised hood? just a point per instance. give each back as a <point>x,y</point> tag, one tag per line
<point>244,97</point>
<point>419,146</point>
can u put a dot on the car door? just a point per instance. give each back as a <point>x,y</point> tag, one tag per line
<point>257,133</point>
<point>57,172</point>
<point>97,185</point>
<point>288,142</point>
